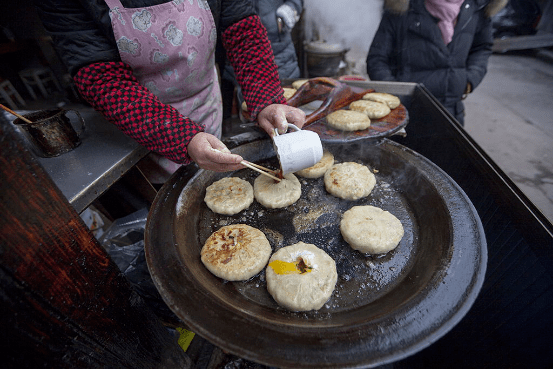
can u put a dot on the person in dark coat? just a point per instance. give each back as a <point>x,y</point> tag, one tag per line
<point>149,66</point>
<point>443,44</point>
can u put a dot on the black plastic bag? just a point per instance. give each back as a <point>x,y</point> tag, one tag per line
<point>124,242</point>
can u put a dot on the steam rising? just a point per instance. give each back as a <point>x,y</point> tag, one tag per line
<point>351,23</point>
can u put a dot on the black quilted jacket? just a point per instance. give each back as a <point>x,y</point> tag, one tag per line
<point>408,47</point>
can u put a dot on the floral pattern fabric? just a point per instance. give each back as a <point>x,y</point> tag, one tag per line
<point>171,49</point>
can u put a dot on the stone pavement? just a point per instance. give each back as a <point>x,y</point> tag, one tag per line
<point>510,115</point>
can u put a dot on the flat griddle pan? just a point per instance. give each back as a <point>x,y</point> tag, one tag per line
<point>384,308</point>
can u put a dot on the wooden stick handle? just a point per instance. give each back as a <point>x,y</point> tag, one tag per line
<point>263,168</point>
<point>248,164</point>
<point>14,113</point>
<point>257,168</point>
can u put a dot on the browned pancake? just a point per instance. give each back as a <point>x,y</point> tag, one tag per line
<point>236,252</point>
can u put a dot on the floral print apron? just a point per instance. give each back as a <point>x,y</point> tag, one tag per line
<point>171,48</point>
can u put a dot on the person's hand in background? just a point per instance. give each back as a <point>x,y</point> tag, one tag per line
<point>288,14</point>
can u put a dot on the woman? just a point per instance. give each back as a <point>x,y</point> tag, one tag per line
<point>443,44</point>
<point>149,67</point>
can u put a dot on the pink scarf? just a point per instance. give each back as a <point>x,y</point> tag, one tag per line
<point>446,11</point>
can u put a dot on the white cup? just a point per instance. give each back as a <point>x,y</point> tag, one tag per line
<point>297,150</point>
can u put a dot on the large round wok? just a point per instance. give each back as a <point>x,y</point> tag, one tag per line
<point>383,308</point>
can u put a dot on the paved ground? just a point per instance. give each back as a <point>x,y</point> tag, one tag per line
<point>510,115</point>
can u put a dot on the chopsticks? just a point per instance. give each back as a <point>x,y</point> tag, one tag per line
<point>14,113</point>
<point>258,168</point>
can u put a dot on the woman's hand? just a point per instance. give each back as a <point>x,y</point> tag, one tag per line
<point>210,153</point>
<point>278,116</point>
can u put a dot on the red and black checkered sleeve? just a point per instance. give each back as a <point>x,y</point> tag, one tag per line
<point>112,89</point>
<point>250,53</point>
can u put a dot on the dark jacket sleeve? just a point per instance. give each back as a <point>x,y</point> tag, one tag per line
<point>233,11</point>
<point>480,52</point>
<point>80,30</point>
<point>383,56</point>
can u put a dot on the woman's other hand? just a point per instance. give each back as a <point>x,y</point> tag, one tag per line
<point>210,153</point>
<point>278,116</point>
